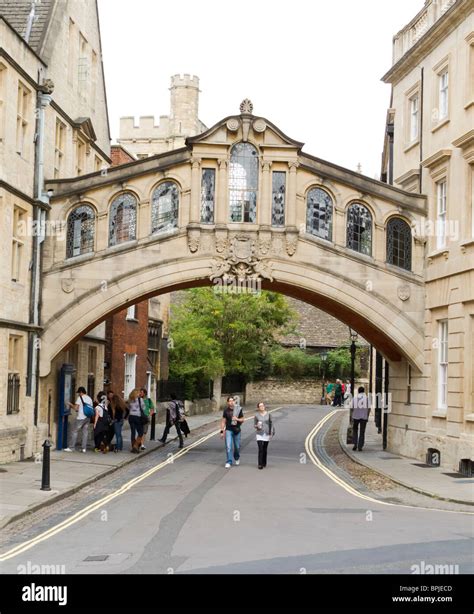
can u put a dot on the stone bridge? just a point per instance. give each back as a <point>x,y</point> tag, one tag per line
<point>241,203</point>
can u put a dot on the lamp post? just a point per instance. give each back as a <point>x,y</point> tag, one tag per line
<point>324,356</point>
<point>353,336</point>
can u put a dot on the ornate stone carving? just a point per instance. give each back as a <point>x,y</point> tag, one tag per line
<point>241,260</point>
<point>221,244</point>
<point>259,125</point>
<point>403,292</point>
<point>193,240</point>
<point>233,124</point>
<point>264,245</point>
<point>291,243</point>
<point>246,106</point>
<point>67,285</point>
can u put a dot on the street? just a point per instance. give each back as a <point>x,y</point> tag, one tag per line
<point>193,515</point>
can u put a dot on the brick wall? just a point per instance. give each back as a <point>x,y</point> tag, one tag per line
<point>126,337</point>
<point>120,155</point>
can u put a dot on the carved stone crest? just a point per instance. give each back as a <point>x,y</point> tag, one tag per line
<point>67,285</point>
<point>403,292</point>
<point>291,243</point>
<point>259,125</point>
<point>246,106</point>
<point>241,261</point>
<point>193,240</point>
<point>233,124</point>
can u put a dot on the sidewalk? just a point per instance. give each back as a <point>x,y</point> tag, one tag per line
<point>435,482</point>
<point>70,471</point>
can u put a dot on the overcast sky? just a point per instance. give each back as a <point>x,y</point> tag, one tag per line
<point>312,67</point>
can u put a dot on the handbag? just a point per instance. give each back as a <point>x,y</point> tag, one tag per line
<point>89,411</point>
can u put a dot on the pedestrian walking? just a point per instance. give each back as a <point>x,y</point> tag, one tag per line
<point>117,409</point>
<point>174,411</point>
<point>148,410</point>
<point>232,418</point>
<point>338,394</point>
<point>347,394</point>
<point>82,406</point>
<point>102,423</point>
<point>135,419</point>
<point>329,391</point>
<point>265,431</point>
<point>360,417</point>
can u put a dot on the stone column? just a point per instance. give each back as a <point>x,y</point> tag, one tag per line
<point>195,191</point>
<point>291,209</point>
<point>265,213</point>
<point>221,205</point>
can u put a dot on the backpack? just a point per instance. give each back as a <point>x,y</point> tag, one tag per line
<point>89,411</point>
<point>177,411</point>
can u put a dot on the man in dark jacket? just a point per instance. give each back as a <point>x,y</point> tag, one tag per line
<point>172,419</point>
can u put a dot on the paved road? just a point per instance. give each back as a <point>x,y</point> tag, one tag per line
<point>195,516</point>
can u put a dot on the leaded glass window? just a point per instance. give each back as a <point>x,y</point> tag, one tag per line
<point>278,198</point>
<point>123,219</point>
<point>243,183</point>
<point>319,208</point>
<point>164,207</point>
<point>399,243</point>
<point>359,229</point>
<point>208,192</point>
<point>80,231</point>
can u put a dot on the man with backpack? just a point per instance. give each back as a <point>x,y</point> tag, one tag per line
<point>174,415</point>
<point>84,407</point>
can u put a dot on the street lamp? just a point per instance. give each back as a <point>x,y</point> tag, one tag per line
<point>324,356</point>
<point>353,336</point>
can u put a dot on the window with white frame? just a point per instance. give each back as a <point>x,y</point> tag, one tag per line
<point>414,117</point>
<point>443,80</point>
<point>129,375</point>
<point>19,220</point>
<point>441,213</point>
<point>131,313</point>
<point>22,120</point>
<point>59,146</point>
<point>443,365</point>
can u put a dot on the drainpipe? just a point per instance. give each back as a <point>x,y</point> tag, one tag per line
<point>39,211</point>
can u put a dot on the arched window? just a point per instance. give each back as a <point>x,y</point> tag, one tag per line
<point>80,231</point>
<point>399,243</point>
<point>359,229</point>
<point>164,207</point>
<point>319,213</point>
<point>123,219</point>
<point>243,183</point>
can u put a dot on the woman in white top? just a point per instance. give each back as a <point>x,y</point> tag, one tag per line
<point>265,431</point>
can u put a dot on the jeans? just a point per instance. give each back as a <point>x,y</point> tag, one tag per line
<point>118,425</point>
<point>136,427</point>
<point>262,452</point>
<point>79,425</point>
<point>338,400</point>
<point>358,437</point>
<point>178,430</point>
<point>232,438</point>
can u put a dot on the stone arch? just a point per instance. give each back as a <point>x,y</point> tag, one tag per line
<point>382,323</point>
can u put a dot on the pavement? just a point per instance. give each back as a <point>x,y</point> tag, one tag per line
<point>194,516</point>
<point>20,491</point>
<point>437,482</point>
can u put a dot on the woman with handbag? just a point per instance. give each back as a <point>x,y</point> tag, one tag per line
<point>102,422</point>
<point>136,417</point>
<point>265,431</point>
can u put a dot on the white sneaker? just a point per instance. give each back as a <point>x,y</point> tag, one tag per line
<point>142,448</point>
<point>227,465</point>
<point>84,450</point>
<point>67,450</point>
<point>237,462</point>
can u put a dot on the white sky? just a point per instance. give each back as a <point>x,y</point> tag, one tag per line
<point>312,67</point>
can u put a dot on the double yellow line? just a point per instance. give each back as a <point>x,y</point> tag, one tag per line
<point>347,487</point>
<point>131,483</point>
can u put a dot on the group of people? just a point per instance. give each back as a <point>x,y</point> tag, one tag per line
<point>108,414</point>
<point>336,394</point>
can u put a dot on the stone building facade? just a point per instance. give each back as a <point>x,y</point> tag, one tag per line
<point>429,149</point>
<point>53,124</point>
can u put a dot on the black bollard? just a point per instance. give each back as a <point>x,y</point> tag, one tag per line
<point>46,466</point>
<point>152,432</point>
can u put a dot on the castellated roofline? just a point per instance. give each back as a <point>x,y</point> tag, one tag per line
<point>185,80</point>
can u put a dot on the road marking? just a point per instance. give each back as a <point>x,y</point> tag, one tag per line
<point>101,502</point>
<point>347,487</point>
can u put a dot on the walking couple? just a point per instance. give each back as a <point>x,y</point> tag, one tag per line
<point>232,419</point>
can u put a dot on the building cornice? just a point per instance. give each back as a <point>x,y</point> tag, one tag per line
<point>431,39</point>
<point>438,158</point>
<point>23,326</point>
<point>29,199</point>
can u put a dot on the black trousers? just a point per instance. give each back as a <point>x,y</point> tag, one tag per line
<point>178,430</point>
<point>358,433</point>
<point>262,453</point>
